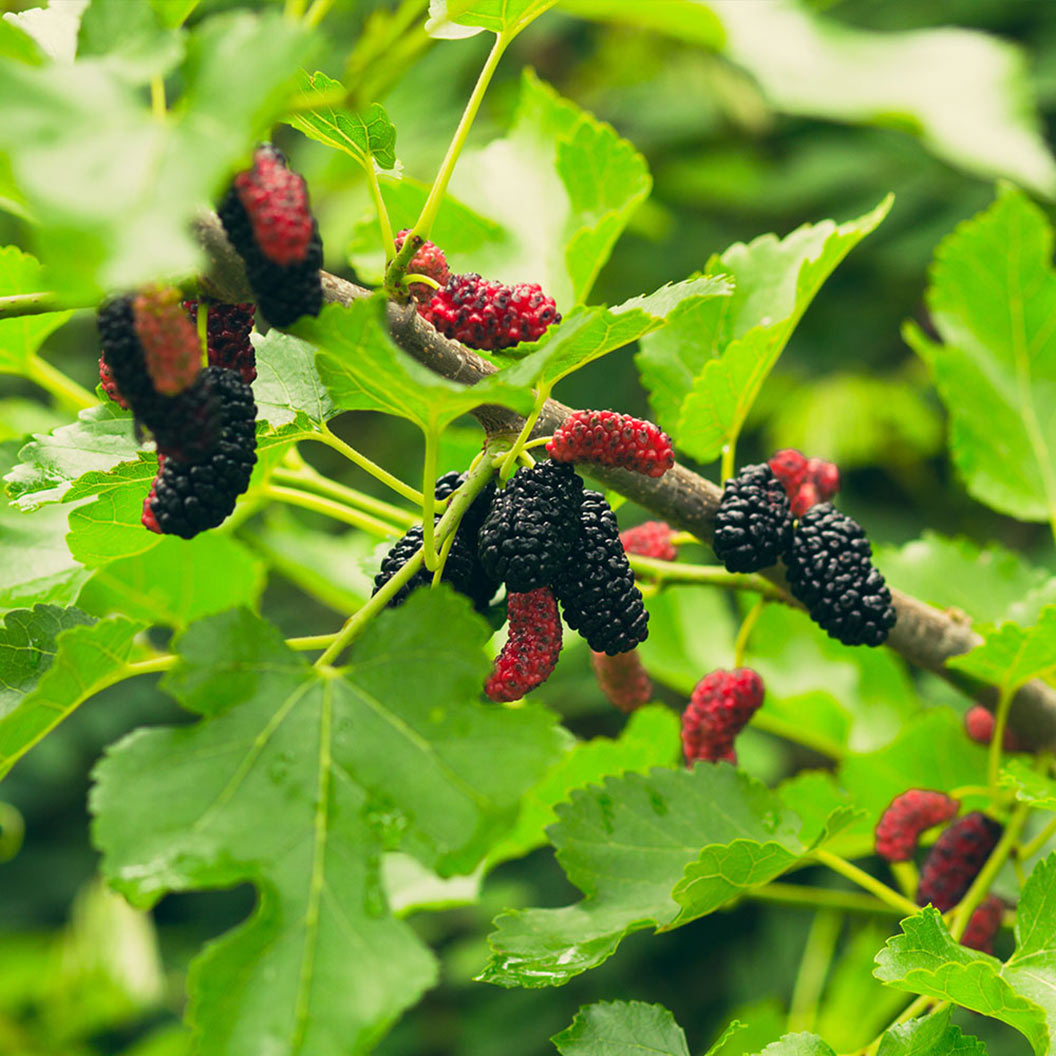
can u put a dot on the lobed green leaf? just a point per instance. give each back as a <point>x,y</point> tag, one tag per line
<point>1012,655</point>
<point>622,1028</point>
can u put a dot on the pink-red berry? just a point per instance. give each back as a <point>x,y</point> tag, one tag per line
<point>611,439</point>
<point>276,201</point>
<point>979,725</point>
<point>955,859</point>
<point>985,924</point>
<point>532,648</point>
<point>228,328</point>
<point>906,817</point>
<point>489,315</point>
<point>722,704</point>
<point>650,539</point>
<point>428,260</point>
<point>169,341</point>
<point>623,679</point>
<point>807,481</point>
<point>106,379</point>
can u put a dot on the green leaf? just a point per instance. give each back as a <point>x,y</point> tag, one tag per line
<point>498,16</point>
<point>297,779</point>
<point>622,1028</point>
<point>53,28</point>
<point>51,661</point>
<point>932,1035</point>
<point>797,1045</point>
<point>690,21</point>
<point>725,351</point>
<point>1012,655</point>
<point>21,337</point>
<point>365,136</point>
<point>1029,786</point>
<point>288,388</point>
<point>626,846</point>
<point>924,959</point>
<point>129,39</point>
<point>16,44</point>
<point>173,13</point>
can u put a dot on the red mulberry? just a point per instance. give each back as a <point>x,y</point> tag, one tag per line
<point>623,679</point>
<point>428,260</point>
<point>228,328</point>
<point>532,648</point>
<point>907,816</point>
<point>753,525</point>
<point>650,539</point>
<point>489,315</point>
<point>985,924</point>
<point>807,481</point>
<point>612,439</point>
<point>722,704</point>
<point>106,379</point>
<point>169,341</point>
<point>955,859</point>
<point>979,725</point>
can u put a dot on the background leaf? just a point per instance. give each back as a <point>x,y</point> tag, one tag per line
<point>622,1028</point>
<point>932,1035</point>
<point>1012,655</point>
<point>21,337</point>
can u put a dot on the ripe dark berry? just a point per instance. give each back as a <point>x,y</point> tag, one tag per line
<point>984,925</point>
<point>722,704</point>
<point>753,525</point>
<point>189,497</point>
<point>955,859</point>
<point>623,679</point>
<point>611,439</point>
<point>124,359</point>
<point>532,648</point>
<point>228,328</point>
<point>596,586</point>
<point>907,816</point>
<point>268,220</point>
<point>979,725</point>
<point>830,572</point>
<point>169,341</point>
<point>807,481</point>
<point>531,527</point>
<point>106,379</point>
<point>489,315</point>
<point>650,539</point>
<point>428,260</point>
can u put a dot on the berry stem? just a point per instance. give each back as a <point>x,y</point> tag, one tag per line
<point>866,882</point>
<point>325,436</point>
<point>329,508</point>
<point>740,645</point>
<point>1032,846</point>
<point>158,108</point>
<point>384,222</point>
<point>19,304</point>
<point>426,280</point>
<point>818,897</point>
<point>508,464</point>
<point>201,320</point>
<point>712,575</point>
<point>541,441</point>
<point>310,478</point>
<point>814,966</point>
<point>60,385</point>
<point>445,549</point>
<point>729,459</point>
<point>906,876</point>
<point>997,740</point>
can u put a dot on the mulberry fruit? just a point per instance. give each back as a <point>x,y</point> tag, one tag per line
<point>829,571</point>
<point>268,220</point>
<point>650,539</point>
<point>611,439</point>
<point>531,527</point>
<point>189,497</point>
<point>807,481</point>
<point>753,525</point>
<point>532,648</point>
<point>623,679</point>
<point>984,925</point>
<point>106,379</point>
<point>979,725</point>
<point>722,704</point>
<point>428,260</point>
<point>228,328</point>
<point>596,586</point>
<point>169,340</point>
<point>907,816</point>
<point>489,315</point>
<point>955,859</point>
<point>123,358</point>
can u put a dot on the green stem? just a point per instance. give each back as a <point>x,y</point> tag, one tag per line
<point>813,969</point>
<point>993,760</point>
<point>683,539</point>
<point>201,320</point>
<point>426,280</point>
<point>712,575</point>
<point>432,439</point>
<point>729,457</point>
<point>741,643</point>
<point>424,224</point>
<point>62,387</point>
<point>329,508</point>
<point>384,222</point>
<point>294,10</point>
<point>906,876</point>
<point>158,108</point>
<point>19,304</point>
<point>818,897</point>
<point>866,882</point>
<point>1029,849</point>
<point>540,441</point>
<point>317,12</point>
<point>506,469</point>
<point>308,477</point>
<point>325,436</point>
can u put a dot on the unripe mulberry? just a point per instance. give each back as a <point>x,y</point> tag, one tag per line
<point>623,679</point>
<point>268,220</point>
<point>790,467</point>
<point>955,859</point>
<point>807,481</point>
<point>979,725</point>
<point>531,527</point>
<point>907,816</point>
<point>830,572</point>
<point>489,315</point>
<point>531,649</point>
<point>984,925</point>
<point>428,260</point>
<point>228,328</point>
<point>106,379</point>
<point>753,525</point>
<point>596,586</point>
<point>189,497</point>
<point>169,340</point>
<point>650,539</point>
<point>722,704</point>
<point>611,439</point>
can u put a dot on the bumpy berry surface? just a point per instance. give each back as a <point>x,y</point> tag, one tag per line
<point>284,275</point>
<point>429,260</point>
<point>906,817</point>
<point>984,925</point>
<point>807,481</point>
<point>830,572</point>
<point>722,704</point>
<point>532,648</point>
<point>276,203</point>
<point>955,859</point>
<point>531,527</point>
<point>979,725</point>
<point>123,357</point>
<point>168,339</point>
<point>106,379</point>
<point>650,539</point>
<point>753,525</point>
<point>611,439</point>
<point>596,587</point>
<point>228,328</point>
<point>189,497</point>
<point>790,467</point>
<point>489,315</point>
<point>623,679</point>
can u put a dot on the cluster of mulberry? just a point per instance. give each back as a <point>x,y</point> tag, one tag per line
<point>807,481</point>
<point>607,438</point>
<point>722,704</point>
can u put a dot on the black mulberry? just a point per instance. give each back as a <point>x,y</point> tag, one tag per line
<point>830,572</point>
<point>753,525</point>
